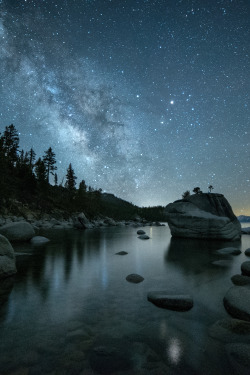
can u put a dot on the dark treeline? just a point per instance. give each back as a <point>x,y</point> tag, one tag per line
<point>25,179</point>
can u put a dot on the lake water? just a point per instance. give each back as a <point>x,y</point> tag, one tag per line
<point>70,309</point>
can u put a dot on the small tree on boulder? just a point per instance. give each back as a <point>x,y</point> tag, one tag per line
<point>197,190</point>
<point>210,188</point>
<point>186,194</point>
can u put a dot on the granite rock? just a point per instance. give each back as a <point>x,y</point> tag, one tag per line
<point>207,216</point>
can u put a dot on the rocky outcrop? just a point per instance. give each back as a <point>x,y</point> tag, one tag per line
<point>18,231</point>
<point>7,258</point>
<point>207,216</point>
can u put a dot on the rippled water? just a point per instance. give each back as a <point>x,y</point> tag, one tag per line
<point>70,310</point>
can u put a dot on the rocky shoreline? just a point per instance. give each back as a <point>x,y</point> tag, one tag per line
<point>75,221</point>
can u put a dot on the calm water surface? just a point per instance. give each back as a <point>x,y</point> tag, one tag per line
<point>70,310</point>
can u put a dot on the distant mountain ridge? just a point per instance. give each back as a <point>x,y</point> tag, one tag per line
<point>244,219</point>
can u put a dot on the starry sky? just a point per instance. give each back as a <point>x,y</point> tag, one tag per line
<point>146,99</point>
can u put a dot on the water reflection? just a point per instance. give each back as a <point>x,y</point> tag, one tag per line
<point>195,256</point>
<point>174,351</point>
<point>73,291</point>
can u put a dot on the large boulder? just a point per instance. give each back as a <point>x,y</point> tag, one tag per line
<point>20,231</point>
<point>7,258</point>
<point>80,221</point>
<point>207,216</point>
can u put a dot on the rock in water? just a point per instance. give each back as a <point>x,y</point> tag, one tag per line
<point>39,240</point>
<point>247,252</point>
<point>167,300</point>
<point>134,278</point>
<point>122,253</point>
<point>140,231</point>
<point>7,258</point>
<point>240,280</point>
<point>18,231</point>
<point>207,216</point>
<point>245,268</point>
<point>237,302</point>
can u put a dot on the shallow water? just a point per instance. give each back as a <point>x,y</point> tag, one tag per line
<point>70,310</point>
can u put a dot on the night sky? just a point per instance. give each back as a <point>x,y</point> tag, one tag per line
<point>146,99</point>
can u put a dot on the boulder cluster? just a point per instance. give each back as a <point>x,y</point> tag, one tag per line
<point>237,299</point>
<point>18,229</point>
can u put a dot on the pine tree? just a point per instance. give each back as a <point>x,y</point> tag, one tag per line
<point>40,170</point>
<point>70,179</point>
<point>32,156</point>
<point>49,160</point>
<point>55,179</point>
<point>10,140</point>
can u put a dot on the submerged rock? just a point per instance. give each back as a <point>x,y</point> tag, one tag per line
<point>207,216</point>
<point>134,278</point>
<point>245,268</point>
<point>171,301</point>
<point>111,355</point>
<point>18,231</point>
<point>229,251</point>
<point>239,357</point>
<point>229,330</point>
<point>39,240</point>
<point>237,302</point>
<point>7,258</point>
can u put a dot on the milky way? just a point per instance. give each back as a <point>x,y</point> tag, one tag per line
<point>146,99</point>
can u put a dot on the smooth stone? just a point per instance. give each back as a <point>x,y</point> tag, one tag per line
<point>140,231</point>
<point>245,268</point>
<point>247,252</point>
<point>239,357</point>
<point>19,231</point>
<point>121,253</point>
<point>237,302</point>
<point>134,278</point>
<point>240,280</point>
<point>39,240</point>
<point>144,237</point>
<point>7,258</point>
<point>171,301</point>
<point>229,251</point>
